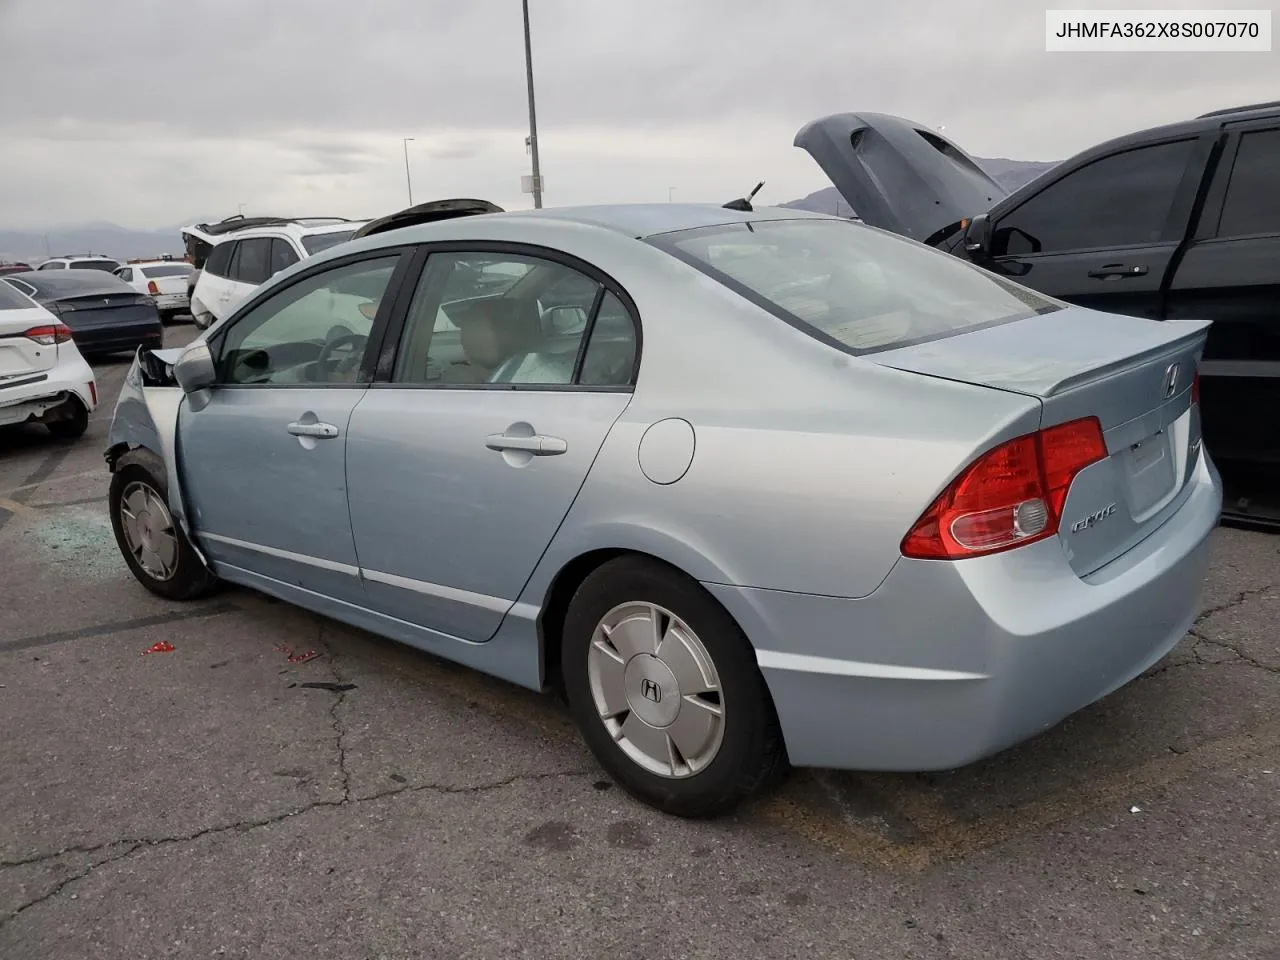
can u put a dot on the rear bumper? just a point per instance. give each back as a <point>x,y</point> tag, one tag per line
<point>31,397</point>
<point>173,303</point>
<point>111,338</point>
<point>947,663</point>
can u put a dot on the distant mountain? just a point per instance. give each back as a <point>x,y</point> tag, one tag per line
<point>101,238</point>
<point>1010,174</point>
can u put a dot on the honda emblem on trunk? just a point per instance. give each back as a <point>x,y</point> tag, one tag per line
<point>1171,381</point>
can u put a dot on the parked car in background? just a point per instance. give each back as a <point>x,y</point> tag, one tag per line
<point>1180,221</point>
<point>17,267</point>
<point>80,262</point>
<point>243,256</point>
<point>165,281</point>
<point>43,377</point>
<point>104,314</point>
<point>754,486</point>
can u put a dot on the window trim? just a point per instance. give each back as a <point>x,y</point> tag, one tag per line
<point>14,282</point>
<point>364,373</point>
<point>1179,207</point>
<point>394,334</point>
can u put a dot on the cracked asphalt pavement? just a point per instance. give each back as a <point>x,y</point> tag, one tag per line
<point>241,797</point>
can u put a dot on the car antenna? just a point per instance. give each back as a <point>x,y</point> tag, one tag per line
<point>744,203</point>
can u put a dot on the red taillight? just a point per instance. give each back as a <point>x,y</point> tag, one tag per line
<point>49,335</point>
<point>152,288</point>
<point>1195,388</point>
<point>1010,496</point>
<point>93,392</point>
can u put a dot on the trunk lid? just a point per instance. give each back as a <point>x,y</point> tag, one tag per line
<point>1134,375</point>
<point>21,357</point>
<point>897,174</point>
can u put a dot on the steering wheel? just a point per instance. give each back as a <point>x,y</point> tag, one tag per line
<point>340,338</point>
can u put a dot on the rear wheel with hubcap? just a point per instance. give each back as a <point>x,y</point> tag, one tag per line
<point>666,691</point>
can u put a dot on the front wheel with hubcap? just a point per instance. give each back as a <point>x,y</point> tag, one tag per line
<point>157,551</point>
<point>666,691</point>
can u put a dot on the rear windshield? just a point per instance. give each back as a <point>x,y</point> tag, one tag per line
<point>168,270</point>
<point>11,299</point>
<point>316,242</point>
<point>860,289</point>
<point>107,265</point>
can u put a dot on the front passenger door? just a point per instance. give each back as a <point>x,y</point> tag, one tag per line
<point>263,459</point>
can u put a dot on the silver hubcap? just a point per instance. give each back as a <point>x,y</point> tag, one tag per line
<point>148,530</point>
<point>656,689</point>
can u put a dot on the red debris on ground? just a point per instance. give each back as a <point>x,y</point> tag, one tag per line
<point>164,646</point>
<point>296,657</point>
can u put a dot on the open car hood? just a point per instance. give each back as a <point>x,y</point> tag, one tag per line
<point>899,175</point>
<point>428,212</point>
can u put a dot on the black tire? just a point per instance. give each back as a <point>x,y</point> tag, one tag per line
<point>72,422</point>
<point>190,579</point>
<point>751,754</point>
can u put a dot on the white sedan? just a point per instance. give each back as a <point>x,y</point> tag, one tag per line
<point>166,281</point>
<point>43,377</point>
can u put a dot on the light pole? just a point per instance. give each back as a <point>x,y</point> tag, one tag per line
<point>407,179</point>
<point>533,116</point>
<point>670,191</point>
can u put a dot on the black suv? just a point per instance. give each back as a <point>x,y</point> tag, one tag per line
<point>1181,221</point>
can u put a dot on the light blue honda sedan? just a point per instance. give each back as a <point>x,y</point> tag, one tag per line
<point>754,487</point>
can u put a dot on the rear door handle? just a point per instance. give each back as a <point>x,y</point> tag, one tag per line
<point>321,431</point>
<point>1118,270</point>
<point>538,445</point>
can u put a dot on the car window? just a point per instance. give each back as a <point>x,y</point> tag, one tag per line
<point>1118,201</point>
<point>218,263</point>
<point>1252,204</point>
<point>50,266</point>
<point>282,255</point>
<point>107,266</point>
<point>459,331</point>
<point>313,331</point>
<point>865,289</point>
<point>250,263</point>
<point>21,285</point>
<point>315,242</point>
<point>12,299</point>
<point>126,274</point>
<point>167,270</point>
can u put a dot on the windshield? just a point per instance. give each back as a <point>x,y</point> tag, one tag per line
<point>107,265</point>
<point>859,288</point>
<point>168,270</point>
<point>315,242</point>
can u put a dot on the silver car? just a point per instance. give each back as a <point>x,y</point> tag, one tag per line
<point>754,487</point>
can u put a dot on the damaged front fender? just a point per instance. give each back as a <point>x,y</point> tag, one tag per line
<point>146,418</point>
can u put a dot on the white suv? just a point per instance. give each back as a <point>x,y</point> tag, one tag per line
<point>106,264</point>
<point>243,259</point>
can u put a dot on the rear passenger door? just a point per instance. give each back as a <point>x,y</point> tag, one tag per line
<point>1231,275</point>
<point>463,458</point>
<point>1104,234</point>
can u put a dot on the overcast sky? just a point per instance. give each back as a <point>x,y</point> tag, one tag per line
<point>150,112</point>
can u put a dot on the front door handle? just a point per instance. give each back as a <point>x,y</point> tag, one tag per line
<point>321,431</point>
<point>538,445</point>
<point>1118,270</point>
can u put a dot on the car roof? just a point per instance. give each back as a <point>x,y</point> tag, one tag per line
<point>70,281</point>
<point>638,220</point>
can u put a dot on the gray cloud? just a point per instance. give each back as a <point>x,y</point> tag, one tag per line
<point>205,104</point>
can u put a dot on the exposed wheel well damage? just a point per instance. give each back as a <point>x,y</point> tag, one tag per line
<point>560,594</point>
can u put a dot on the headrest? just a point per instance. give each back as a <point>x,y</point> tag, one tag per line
<point>495,330</point>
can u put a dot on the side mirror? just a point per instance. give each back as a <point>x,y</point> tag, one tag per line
<point>194,369</point>
<point>977,237</point>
